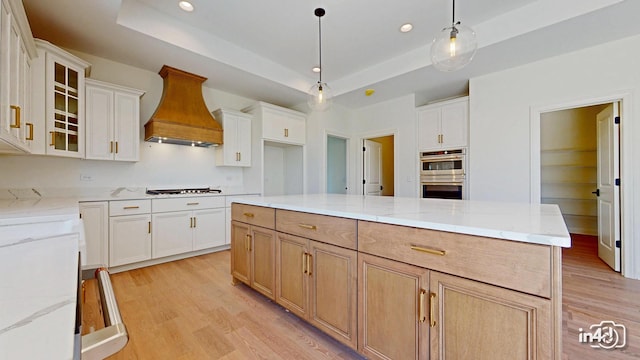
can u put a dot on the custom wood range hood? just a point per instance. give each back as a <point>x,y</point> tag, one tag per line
<point>182,117</point>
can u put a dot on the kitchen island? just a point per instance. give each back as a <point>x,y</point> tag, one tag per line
<point>408,278</point>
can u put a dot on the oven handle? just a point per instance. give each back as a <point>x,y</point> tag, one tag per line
<point>113,337</point>
<point>441,158</point>
<point>454,183</point>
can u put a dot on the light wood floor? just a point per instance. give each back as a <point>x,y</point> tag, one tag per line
<point>188,309</point>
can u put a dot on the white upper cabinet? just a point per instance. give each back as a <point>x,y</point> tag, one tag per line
<point>17,48</point>
<point>236,147</point>
<point>58,99</point>
<point>443,125</point>
<point>113,121</point>
<point>280,124</point>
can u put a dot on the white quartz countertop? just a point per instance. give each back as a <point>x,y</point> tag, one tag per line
<point>25,211</point>
<point>531,223</point>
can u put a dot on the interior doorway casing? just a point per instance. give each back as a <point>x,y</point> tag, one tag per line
<point>630,246</point>
<point>348,160</point>
<point>359,158</point>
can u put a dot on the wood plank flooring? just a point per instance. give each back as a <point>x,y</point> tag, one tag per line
<point>188,309</point>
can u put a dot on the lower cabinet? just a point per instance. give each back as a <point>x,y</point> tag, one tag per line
<point>129,239</point>
<point>95,216</point>
<point>467,316</point>
<point>392,296</point>
<point>183,231</point>
<point>129,231</point>
<point>317,282</point>
<point>253,257</point>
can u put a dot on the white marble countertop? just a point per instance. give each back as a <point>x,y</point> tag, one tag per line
<point>531,223</point>
<point>39,244</point>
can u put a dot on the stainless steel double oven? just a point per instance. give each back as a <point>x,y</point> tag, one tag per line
<point>443,174</point>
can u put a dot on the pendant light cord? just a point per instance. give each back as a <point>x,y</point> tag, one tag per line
<point>453,12</point>
<point>320,45</point>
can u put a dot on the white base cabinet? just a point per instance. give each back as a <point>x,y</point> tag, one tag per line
<point>95,216</point>
<point>129,231</point>
<point>187,224</point>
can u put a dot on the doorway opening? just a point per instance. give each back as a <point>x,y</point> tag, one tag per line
<point>580,172</point>
<point>378,166</point>
<point>337,164</point>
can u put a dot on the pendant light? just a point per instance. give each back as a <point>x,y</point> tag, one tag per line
<point>320,93</point>
<point>454,46</point>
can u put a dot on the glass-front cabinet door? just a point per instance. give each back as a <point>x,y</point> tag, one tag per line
<point>64,135</point>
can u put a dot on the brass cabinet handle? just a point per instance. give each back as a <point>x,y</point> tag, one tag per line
<point>421,317</point>
<point>250,215</point>
<point>248,241</point>
<point>190,222</point>
<point>239,156</point>
<point>149,227</point>
<point>116,147</point>
<point>286,132</point>
<point>309,264</point>
<point>193,203</point>
<point>17,110</point>
<point>307,226</point>
<point>194,222</point>
<point>432,304</point>
<point>111,147</point>
<point>53,138</point>
<point>429,251</point>
<point>131,207</point>
<point>304,263</point>
<point>30,136</point>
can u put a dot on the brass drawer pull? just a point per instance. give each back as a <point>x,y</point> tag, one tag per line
<point>421,317</point>
<point>307,226</point>
<point>432,304</point>
<point>249,215</point>
<point>248,242</point>
<point>309,264</point>
<point>30,136</point>
<point>131,207</point>
<point>17,109</point>
<point>149,227</point>
<point>53,138</point>
<point>193,203</point>
<point>429,251</point>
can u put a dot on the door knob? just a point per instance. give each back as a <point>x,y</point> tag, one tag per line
<point>597,192</point>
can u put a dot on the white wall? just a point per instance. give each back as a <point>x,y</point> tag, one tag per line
<point>396,116</point>
<point>159,165</point>
<point>500,109</point>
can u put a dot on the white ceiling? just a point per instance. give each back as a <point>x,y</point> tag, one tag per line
<point>265,49</point>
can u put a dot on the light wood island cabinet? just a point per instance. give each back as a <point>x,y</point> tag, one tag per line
<point>396,291</point>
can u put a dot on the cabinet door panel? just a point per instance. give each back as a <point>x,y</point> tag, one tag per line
<point>291,273</point>
<point>95,216</point>
<point>480,321</point>
<point>209,228</point>
<point>333,291</point>
<point>127,127</point>
<point>263,254</point>
<point>172,233</point>
<point>454,125</point>
<point>243,140</point>
<point>129,239</point>
<point>389,307</point>
<point>428,129</point>
<point>99,116</point>
<point>240,255</point>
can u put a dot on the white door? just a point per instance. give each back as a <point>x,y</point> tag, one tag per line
<point>372,168</point>
<point>608,193</point>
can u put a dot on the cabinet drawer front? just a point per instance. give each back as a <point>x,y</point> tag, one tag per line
<point>255,215</point>
<point>129,207</point>
<point>515,265</point>
<point>328,229</point>
<point>187,203</point>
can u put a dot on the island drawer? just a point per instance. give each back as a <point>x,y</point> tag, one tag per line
<point>510,264</point>
<point>328,229</point>
<point>129,207</point>
<point>187,203</point>
<point>254,215</point>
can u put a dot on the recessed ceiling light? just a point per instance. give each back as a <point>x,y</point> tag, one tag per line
<point>186,6</point>
<point>406,28</point>
<point>316,69</point>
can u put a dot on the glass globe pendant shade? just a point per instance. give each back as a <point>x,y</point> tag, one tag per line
<point>320,97</point>
<point>453,48</point>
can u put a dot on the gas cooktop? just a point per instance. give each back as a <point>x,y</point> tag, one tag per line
<point>183,191</point>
